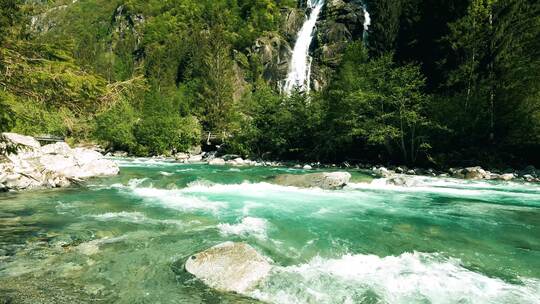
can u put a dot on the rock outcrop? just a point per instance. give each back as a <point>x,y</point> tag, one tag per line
<point>328,181</point>
<point>233,267</point>
<point>50,166</point>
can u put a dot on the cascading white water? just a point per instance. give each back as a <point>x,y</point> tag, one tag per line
<point>367,21</point>
<point>300,65</point>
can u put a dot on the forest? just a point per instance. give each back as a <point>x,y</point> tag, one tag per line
<point>430,83</point>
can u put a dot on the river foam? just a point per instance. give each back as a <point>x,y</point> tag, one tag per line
<point>248,226</point>
<point>449,187</point>
<point>176,199</point>
<point>408,278</point>
<point>135,218</point>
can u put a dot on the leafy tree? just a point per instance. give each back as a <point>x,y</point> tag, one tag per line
<point>216,86</point>
<point>381,104</point>
<point>162,130</point>
<point>493,89</point>
<point>10,15</point>
<point>116,126</point>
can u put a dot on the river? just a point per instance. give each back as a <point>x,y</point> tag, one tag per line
<point>124,239</point>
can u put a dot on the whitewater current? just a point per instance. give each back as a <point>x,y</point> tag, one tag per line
<point>123,239</point>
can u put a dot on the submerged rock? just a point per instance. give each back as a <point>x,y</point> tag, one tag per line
<point>229,266</point>
<point>330,181</point>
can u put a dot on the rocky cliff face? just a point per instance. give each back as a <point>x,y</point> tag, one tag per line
<point>341,22</point>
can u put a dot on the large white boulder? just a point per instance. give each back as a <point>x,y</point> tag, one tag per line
<point>325,180</point>
<point>58,163</point>
<point>98,167</point>
<point>55,165</point>
<point>57,148</point>
<point>217,162</point>
<point>22,140</point>
<point>229,266</point>
<point>195,158</point>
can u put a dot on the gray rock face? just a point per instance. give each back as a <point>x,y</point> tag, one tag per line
<point>229,266</point>
<point>50,166</point>
<point>329,181</point>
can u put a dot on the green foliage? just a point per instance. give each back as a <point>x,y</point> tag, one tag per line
<point>161,129</point>
<point>493,87</point>
<point>7,120</point>
<point>116,126</point>
<point>9,16</point>
<point>379,103</point>
<point>216,88</point>
<point>33,117</point>
<point>279,126</point>
<point>444,77</point>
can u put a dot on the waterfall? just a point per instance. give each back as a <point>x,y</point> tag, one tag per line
<point>367,21</point>
<point>300,65</point>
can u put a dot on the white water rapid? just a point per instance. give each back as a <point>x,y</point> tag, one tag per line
<point>300,65</point>
<point>367,21</point>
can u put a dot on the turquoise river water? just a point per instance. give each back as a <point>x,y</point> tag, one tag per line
<point>124,239</point>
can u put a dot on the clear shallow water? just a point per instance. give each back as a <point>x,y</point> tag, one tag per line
<point>124,239</point>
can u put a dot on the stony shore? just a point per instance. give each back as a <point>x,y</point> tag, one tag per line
<point>50,166</point>
<point>393,174</point>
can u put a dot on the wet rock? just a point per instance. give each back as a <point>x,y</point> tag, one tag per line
<point>195,150</point>
<point>195,158</point>
<point>237,162</point>
<point>506,176</point>
<point>229,266</point>
<point>120,154</point>
<point>307,167</point>
<point>382,172</point>
<point>330,181</point>
<point>530,170</point>
<point>529,178</point>
<point>475,173</point>
<point>400,170</point>
<point>401,181</point>
<point>181,156</point>
<point>228,157</point>
<point>217,162</point>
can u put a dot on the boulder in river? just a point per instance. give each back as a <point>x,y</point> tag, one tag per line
<point>325,180</point>
<point>229,266</point>
<point>475,173</point>
<point>217,162</point>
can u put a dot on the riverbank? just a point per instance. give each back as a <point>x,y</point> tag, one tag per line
<point>394,174</point>
<point>58,165</point>
<point>32,166</point>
